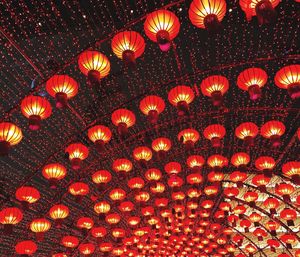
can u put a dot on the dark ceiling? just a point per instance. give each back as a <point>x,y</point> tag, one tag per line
<point>42,38</point>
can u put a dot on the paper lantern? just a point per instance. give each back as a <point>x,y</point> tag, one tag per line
<point>40,226</point>
<point>86,248</point>
<point>27,195</point>
<point>188,137</point>
<point>99,135</point>
<point>161,145</point>
<point>142,154</point>
<point>70,241</point>
<point>10,217</point>
<point>273,130</point>
<point>79,189</point>
<point>214,133</point>
<point>59,212</point>
<point>152,106</point>
<point>265,164</point>
<point>292,170</point>
<point>10,135</point>
<point>77,153</point>
<point>26,248</point>
<point>181,97</point>
<point>54,172</point>
<point>247,131</point>
<point>123,119</point>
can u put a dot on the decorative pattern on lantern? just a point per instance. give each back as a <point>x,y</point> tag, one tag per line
<point>94,65</point>
<point>27,195</point>
<point>122,166</point>
<point>263,9</point>
<point>35,108</point>
<point>161,145</point>
<point>162,26</point>
<point>142,154</point>
<point>128,45</point>
<point>292,170</point>
<point>101,178</point>
<point>26,248</point>
<point>99,135</point>
<point>54,172</point>
<point>152,106</point>
<point>123,119</point>
<point>59,212</point>
<point>62,87</point>
<point>188,137</point>
<point>273,130</point>
<point>79,189</point>
<point>87,249</point>
<point>252,80</point>
<point>70,241</point>
<point>214,133</point>
<point>181,97</point>
<point>265,164</point>
<point>10,135</point>
<point>215,87</point>
<point>9,217</point>
<point>247,131</point>
<point>240,160</point>
<point>288,78</point>
<point>40,226</point>
<point>77,153</point>
<point>195,162</point>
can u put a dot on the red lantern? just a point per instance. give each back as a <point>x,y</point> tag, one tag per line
<point>261,182</point>
<point>79,189</point>
<point>87,249</point>
<point>35,108</point>
<point>123,119</point>
<point>126,206</point>
<point>58,213</point>
<point>122,166</point>
<point>207,14</point>
<point>152,106</point>
<point>105,247</point>
<point>94,65</point>
<point>265,164</point>
<point>271,203</point>
<point>238,178</point>
<point>59,255</point>
<point>102,208</point>
<point>273,130</point>
<point>77,153</point>
<point>117,194</point>
<point>27,195</point>
<point>215,87</point>
<point>292,170</point>
<point>181,97</point>
<point>157,188</point>
<point>70,241</point>
<point>9,217</point>
<point>247,131</point>
<point>162,26</point>
<point>101,178</point>
<point>195,162</point>
<point>54,172</point>
<point>255,218</point>
<point>153,174</point>
<point>189,137</point>
<point>26,248</point>
<point>194,178</point>
<point>252,80</point>
<point>10,135</point>
<point>251,197</point>
<point>240,160</point>
<point>40,226</point>
<point>99,135</point>
<point>98,232</point>
<point>136,183</point>
<point>161,146</point>
<point>285,190</point>
<point>214,133</point>
<point>85,223</point>
<point>128,45</point>
<point>62,87</point>
<point>142,154</point>
<point>175,181</point>
<point>272,226</point>
<point>173,168</point>
<point>113,218</point>
<point>217,162</point>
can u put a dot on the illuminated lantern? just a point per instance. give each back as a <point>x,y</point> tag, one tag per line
<point>85,224</point>
<point>272,226</point>
<point>101,178</point>
<point>188,137</point>
<point>10,135</point>
<point>152,106</point>
<point>265,164</point>
<point>157,188</point>
<point>59,255</point>
<point>133,221</point>
<point>240,160</point>
<point>117,194</point>
<point>238,178</point>
<point>27,195</point>
<point>40,226</point>
<point>70,241</point>
<point>153,174</point>
<point>79,189</point>
<point>162,26</point>
<point>260,233</point>
<point>26,248</point>
<point>99,135</point>
<point>181,97</point>
<point>128,45</point>
<point>210,191</point>
<point>245,224</point>
<point>273,130</point>
<point>105,247</point>
<point>261,182</point>
<point>87,249</point>
<point>288,239</point>
<point>288,78</point>
<point>215,87</point>
<point>292,170</point>
<point>142,154</point>
<point>173,168</point>
<point>161,145</point>
<point>35,108</point>
<point>98,232</point>
<point>247,131</point>
<point>252,80</point>
<point>207,14</point>
<point>214,133</point>
<point>175,182</point>
<point>62,87</point>
<point>251,197</point>
<point>271,203</point>
<point>102,208</point>
<point>118,233</point>
<point>194,178</point>
<point>142,197</point>
<point>250,249</point>
<point>54,172</point>
<point>77,152</point>
<point>9,217</point>
<point>195,162</point>
<point>58,213</point>
<point>136,183</point>
<point>217,162</point>
<point>123,119</point>
<point>255,218</point>
<point>126,206</point>
<point>231,192</point>
<point>285,190</point>
<point>215,177</point>
<point>122,166</point>
<point>94,65</point>
<point>113,218</point>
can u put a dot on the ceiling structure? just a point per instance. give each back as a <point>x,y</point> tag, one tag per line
<point>42,38</point>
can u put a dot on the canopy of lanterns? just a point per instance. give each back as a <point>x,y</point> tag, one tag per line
<point>162,155</point>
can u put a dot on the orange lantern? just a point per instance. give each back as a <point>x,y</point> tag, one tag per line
<point>123,119</point>
<point>265,164</point>
<point>122,166</point>
<point>40,226</point>
<point>77,153</point>
<point>87,248</point>
<point>79,189</point>
<point>26,248</point>
<point>62,87</point>
<point>54,172</point>
<point>188,137</point>
<point>10,135</point>
<point>292,170</point>
<point>99,135</point>
<point>27,195</point>
<point>214,133</point>
<point>263,9</point>
<point>94,65</point>
<point>273,130</point>
<point>128,45</point>
<point>247,131</point>
<point>9,217</point>
<point>152,106</point>
<point>58,213</point>
<point>240,160</point>
<point>161,145</point>
<point>101,178</point>
<point>288,78</point>
<point>207,14</point>
<point>215,87</point>
<point>195,162</point>
<point>181,97</point>
<point>102,208</point>
<point>142,154</point>
<point>70,241</point>
<point>252,80</point>
<point>162,26</point>
<point>217,162</point>
<point>35,108</point>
